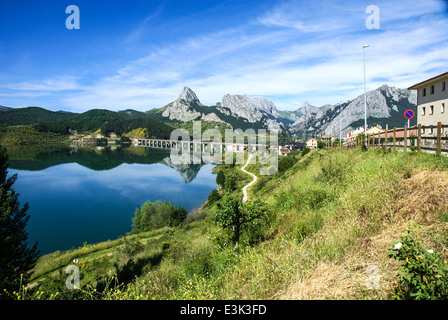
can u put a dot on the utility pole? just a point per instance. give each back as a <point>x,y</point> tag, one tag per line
<point>340,133</point>
<point>306,126</point>
<point>365,93</point>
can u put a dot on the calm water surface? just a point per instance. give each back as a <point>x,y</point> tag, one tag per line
<point>86,195</point>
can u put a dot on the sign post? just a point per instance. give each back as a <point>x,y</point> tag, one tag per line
<point>409,114</point>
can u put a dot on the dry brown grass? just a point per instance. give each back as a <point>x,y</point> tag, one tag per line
<point>424,197</point>
<point>349,279</point>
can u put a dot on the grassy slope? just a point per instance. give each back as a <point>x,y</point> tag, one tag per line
<point>334,214</point>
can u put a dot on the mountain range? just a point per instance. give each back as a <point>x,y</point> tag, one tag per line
<point>385,106</point>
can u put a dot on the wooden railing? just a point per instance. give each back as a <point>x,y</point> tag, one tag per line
<point>425,138</point>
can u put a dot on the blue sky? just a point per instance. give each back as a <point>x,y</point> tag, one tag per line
<point>140,54</point>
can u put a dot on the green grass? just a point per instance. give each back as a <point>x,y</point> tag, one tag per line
<point>333,213</point>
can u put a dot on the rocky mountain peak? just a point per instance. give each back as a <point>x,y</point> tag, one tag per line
<point>187,96</point>
<point>182,109</point>
<point>383,103</point>
<point>251,108</point>
<point>306,104</point>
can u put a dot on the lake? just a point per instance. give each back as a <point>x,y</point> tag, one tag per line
<point>90,195</point>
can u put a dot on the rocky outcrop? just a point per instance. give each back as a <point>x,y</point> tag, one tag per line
<point>382,103</point>
<point>211,117</point>
<point>187,107</point>
<point>251,108</point>
<point>181,109</point>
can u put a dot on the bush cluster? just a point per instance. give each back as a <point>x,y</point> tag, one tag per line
<point>156,215</point>
<point>423,274</point>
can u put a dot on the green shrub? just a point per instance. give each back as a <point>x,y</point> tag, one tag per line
<point>303,230</point>
<point>305,151</point>
<point>199,260</point>
<point>213,196</point>
<point>230,182</point>
<point>131,246</point>
<point>220,178</point>
<point>156,215</point>
<point>423,274</point>
<point>197,215</point>
<point>334,168</point>
<point>308,226</point>
<point>284,163</point>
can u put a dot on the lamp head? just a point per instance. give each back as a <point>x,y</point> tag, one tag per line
<point>365,46</point>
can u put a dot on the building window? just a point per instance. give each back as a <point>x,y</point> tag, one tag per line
<point>431,130</point>
<point>423,111</point>
<point>432,89</point>
<point>424,92</point>
<point>442,109</point>
<point>423,130</point>
<point>443,86</point>
<point>431,110</point>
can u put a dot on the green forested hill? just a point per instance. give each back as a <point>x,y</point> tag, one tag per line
<point>61,122</point>
<point>31,115</point>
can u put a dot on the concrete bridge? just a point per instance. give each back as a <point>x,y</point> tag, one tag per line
<point>196,145</point>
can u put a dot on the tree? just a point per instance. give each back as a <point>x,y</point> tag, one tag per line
<point>230,182</point>
<point>306,150</point>
<point>336,143</point>
<point>234,214</point>
<point>220,178</point>
<point>284,163</point>
<point>213,196</point>
<point>156,215</point>
<point>16,259</point>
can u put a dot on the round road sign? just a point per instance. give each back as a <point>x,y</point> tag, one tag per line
<point>409,114</point>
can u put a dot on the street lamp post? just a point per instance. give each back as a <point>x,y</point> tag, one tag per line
<point>365,93</point>
<point>340,133</point>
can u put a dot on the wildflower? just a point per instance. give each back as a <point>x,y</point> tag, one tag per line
<point>430,251</point>
<point>398,246</point>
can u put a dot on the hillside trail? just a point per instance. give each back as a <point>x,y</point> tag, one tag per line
<point>252,182</point>
<point>245,196</point>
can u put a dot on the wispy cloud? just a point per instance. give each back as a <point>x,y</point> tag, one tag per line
<point>311,17</point>
<point>134,37</point>
<point>58,83</point>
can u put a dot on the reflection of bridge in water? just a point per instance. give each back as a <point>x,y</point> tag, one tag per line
<point>193,145</point>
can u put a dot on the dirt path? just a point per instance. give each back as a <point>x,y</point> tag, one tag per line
<point>251,183</point>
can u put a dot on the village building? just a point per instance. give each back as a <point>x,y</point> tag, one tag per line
<point>327,137</point>
<point>284,151</point>
<point>375,130</point>
<point>288,147</point>
<point>432,102</point>
<point>355,132</point>
<point>312,143</point>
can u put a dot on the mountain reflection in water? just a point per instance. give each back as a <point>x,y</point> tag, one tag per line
<point>90,195</point>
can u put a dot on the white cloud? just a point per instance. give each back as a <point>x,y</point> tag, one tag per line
<point>59,83</point>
